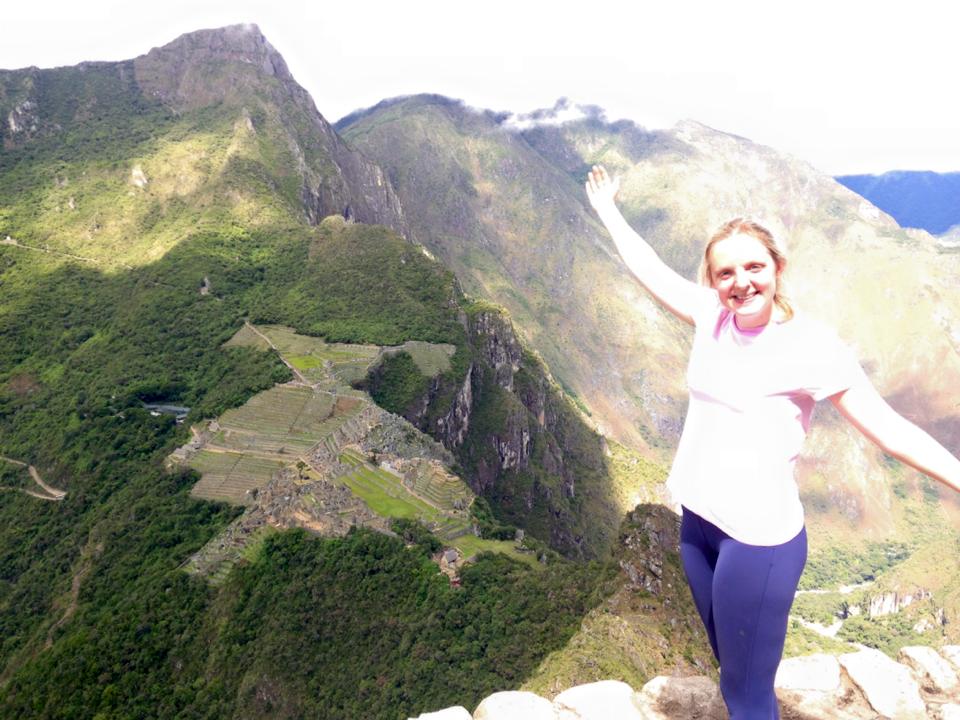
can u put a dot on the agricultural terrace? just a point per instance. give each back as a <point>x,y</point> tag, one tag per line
<point>231,476</point>
<point>431,358</point>
<point>316,360</point>
<point>386,495</point>
<point>443,490</point>
<point>275,428</point>
<point>246,336</point>
<point>470,545</point>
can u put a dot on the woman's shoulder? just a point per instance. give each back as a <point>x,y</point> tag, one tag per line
<point>812,331</point>
<point>707,308</point>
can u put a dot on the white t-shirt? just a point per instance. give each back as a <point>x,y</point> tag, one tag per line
<point>752,394</point>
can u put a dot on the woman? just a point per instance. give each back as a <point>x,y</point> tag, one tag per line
<point>755,373</point>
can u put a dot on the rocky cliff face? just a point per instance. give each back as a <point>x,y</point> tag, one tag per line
<point>521,443</point>
<point>890,603</point>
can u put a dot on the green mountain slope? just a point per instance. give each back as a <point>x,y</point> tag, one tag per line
<point>512,224</point>
<point>151,206</point>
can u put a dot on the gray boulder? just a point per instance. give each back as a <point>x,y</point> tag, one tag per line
<point>935,674</point>
<point>514,705</point>
<point>691,698</point>
<point>888,686</point>
<point>597,701</point>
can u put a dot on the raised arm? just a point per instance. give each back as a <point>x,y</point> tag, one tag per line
<point>677,294</point>
<point>895,435</point>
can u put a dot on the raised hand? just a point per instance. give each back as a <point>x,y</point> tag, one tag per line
<point>601,188</point>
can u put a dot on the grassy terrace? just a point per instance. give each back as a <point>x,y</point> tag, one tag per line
<point>470,545</point>
<point>342,363</point>
<point>431,358</point>
<point>444,491</point>
<point>246,336</point>
<point>386,495</point>
<point>384,492</point>
<point>318,360</point>
<point>229,475</point>
<point>282,420</point>
<point>272,430</point>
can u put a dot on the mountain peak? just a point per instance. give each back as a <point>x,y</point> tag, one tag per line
<point>244,42</point>
<point>179,73</point>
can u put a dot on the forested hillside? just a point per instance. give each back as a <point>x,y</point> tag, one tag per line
<point>149,208</point>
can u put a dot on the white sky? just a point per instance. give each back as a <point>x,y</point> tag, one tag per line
<point>848,85</point>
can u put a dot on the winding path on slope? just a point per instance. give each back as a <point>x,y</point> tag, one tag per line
<point>52,493</point>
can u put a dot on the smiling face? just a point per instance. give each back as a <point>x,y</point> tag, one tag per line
<point>745,276</point>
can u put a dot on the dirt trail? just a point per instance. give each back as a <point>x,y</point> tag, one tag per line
<point>16,243</point>
<point>52,493</point>
<point>90,551</point>
<point>58,494</point>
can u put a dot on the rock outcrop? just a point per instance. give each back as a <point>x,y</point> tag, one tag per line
<point>890,603</point>
<point>530,452</point>
<point>864,685</point>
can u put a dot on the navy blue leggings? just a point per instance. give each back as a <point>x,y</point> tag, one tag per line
<point>743,594</point>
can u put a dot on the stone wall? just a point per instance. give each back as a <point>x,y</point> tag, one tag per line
<point>862,685</point>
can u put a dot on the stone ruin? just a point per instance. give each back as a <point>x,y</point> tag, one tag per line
<point>321,507</point>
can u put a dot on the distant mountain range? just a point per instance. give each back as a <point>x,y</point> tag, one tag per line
<point>915,199</point>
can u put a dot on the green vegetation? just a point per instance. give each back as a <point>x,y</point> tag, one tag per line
<point>394,294</point>
<point>384,496</point>
<point>888,633</point>
<point>397,383</point>
<point>834,566</point>
<point>417,534</point>
<point>823,608</point>
<point>803,641</point>
<point>491,528</point>
<point>379,633</point>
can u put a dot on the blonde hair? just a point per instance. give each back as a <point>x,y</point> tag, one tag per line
<point>743,226</point>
